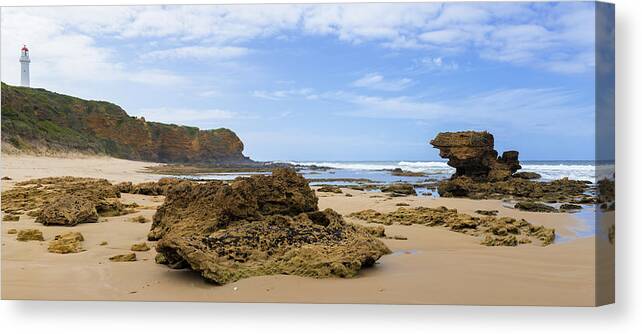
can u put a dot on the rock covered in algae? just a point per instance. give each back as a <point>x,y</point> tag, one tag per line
<point>151,188</point>
<point>330,189</point>
<point>68,210</point>
<point>562,190</point>
<point>494,231</point>
<point>261,225</point>
<point>10,218</point>
<point>140,247</point>
<point>70,242</point>
<point>63,197</point>
<point>129,257</point>
<point>527,175</point>
<point>30,235</point>
<point>566,207</point>
<point>399,189</point>
<point>534,207</point>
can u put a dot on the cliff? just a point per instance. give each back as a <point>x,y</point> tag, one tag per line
<point>40,120</point>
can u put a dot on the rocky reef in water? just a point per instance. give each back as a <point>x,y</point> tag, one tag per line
<point>37,120</point>
<point>260,225</point>
<point>482,174</point>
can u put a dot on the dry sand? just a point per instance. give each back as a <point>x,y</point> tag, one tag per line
<point>434,266</point>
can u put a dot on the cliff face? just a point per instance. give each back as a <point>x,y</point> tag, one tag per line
<point>37,120</point>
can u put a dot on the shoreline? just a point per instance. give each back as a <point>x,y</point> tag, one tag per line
<point>433,266</point>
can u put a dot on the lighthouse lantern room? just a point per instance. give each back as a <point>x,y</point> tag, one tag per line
<point>24,66</point>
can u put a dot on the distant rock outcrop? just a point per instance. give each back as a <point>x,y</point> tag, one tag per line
<point>260,225</point>
<point>473,154</point>
<point>42,121</point>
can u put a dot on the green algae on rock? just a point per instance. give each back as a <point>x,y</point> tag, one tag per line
<point>129,257</point>
<point>563,190</point>
<point>70,242</point>
<point>30,235</point>
<point>399,189</point>
<point>68,210</point>
<point>10,218</point>
<point>494,231</point>
<point>260,225</point>
<point>487,212</point>
<point>63,200</point>
<point>534,207</point>
<point>140,247</point>
<point>330,189</point>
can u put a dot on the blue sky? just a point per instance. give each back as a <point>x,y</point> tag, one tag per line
<point>329,82</point>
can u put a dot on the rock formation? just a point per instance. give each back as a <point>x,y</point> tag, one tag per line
<point>492,231</point>
<point>70,242</point>
<point>260,225</point>
<point>40,120</point>
<point>64,200</point>
<point>563,190</point>
<point>472,154</point>
<point>30,235</point>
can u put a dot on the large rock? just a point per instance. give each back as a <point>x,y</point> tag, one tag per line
<point>472,154</point>
<point>261,225</point>
<point>68,210</point>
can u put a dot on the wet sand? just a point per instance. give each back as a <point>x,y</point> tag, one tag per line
<point>434,266</point>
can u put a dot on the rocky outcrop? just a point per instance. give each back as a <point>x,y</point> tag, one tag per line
<point>492,231</point>
<point>399,189</point>
<point>563,190</point>
<point>527,175</point>
<point>472,154</point>
<point>70,242</point>
<point>30,235</point>
<point>68,210</point>
<point>534,207</point>
<point>129,257</point>
<point>40,120</point>
<point>261,225</point>
<point>64,200</point>
<point>152,188</point>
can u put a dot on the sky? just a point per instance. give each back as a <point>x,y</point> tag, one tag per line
<point>329,82</point>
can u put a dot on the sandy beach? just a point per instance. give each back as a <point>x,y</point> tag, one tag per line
<point>433,266</point>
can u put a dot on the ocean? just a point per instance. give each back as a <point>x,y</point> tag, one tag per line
<point>379,171</point>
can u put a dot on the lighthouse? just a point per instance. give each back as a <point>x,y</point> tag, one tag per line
<point>24,66</point>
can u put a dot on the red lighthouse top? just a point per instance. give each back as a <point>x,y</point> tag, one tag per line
<point>24,48</point>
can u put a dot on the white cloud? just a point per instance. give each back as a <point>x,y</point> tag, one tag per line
<point>378,82</point>
<point>521,108</point>
<point>197,52</point>
<point>59,52</point>
<point>433,64</point>
<point>68,41</point>
<point>277,95</point>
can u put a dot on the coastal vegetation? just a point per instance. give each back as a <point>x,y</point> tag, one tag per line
<point>39,121</point>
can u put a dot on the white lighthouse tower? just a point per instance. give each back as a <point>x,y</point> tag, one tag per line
<point>24,66</point>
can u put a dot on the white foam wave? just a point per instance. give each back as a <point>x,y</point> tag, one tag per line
<point>549,172</point>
